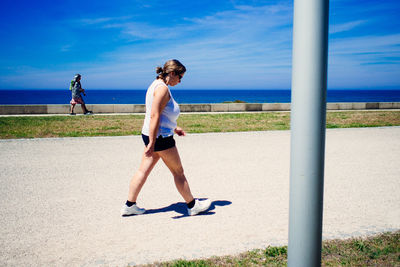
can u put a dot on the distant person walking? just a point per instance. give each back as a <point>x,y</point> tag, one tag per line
<point>76,90</point>
<point>157,133</point>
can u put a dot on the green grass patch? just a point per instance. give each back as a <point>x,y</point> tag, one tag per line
<point>378,250</point>
<point>117,125</point>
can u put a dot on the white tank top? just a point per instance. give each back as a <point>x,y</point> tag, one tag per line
<point>168,116</point>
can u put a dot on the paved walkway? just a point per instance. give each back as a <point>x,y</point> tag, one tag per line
<point>60,198</point>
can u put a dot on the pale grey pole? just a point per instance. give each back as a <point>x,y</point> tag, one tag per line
<point>308,120</point>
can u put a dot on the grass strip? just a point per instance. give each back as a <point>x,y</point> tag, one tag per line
<point>378,250</point>
<point>118,125</point>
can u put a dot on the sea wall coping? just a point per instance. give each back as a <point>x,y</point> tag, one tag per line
<point>225,107</point>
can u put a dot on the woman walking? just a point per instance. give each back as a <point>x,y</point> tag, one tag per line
<point>76,90</point>
<point>157,133</point>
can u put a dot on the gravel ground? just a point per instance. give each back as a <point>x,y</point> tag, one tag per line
<point>60,197</point>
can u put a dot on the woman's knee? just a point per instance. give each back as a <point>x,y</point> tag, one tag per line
<point>179,174</point>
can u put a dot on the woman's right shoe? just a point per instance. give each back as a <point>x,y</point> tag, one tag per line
<point>132,210</point>
<point>199,206</point>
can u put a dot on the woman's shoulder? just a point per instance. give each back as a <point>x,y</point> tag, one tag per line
<point>161,89</point>
<point>158,84</point>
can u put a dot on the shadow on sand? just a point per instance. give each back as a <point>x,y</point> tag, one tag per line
<point>181,208</point>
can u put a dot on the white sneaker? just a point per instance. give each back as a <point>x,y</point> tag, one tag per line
<point>199,206</point>
<point>134,209</point>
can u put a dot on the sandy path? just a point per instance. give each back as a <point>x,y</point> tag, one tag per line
<point>60,198</point>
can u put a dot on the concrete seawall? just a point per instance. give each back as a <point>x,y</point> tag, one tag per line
<point>226,107</point>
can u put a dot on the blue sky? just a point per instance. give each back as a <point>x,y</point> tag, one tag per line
<point>223,44</point>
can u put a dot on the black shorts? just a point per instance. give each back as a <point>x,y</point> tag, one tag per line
<point>162,143</point>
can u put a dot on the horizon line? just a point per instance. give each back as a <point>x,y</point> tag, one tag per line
<point>191,89</point>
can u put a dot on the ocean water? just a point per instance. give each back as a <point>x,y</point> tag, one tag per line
<point>23,97</point>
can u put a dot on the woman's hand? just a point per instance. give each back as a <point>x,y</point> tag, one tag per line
<point>148,151</point>
<point>179,131</point>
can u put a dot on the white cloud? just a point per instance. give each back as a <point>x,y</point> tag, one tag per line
<point>383,44</point>
<point>140,31</point>
<point>102,20</point>
<point>365,61</point>
<point>335,28</point>
<point>89,21</point>
<point>246,18</point>
<point>65,48</point>
<point>225,36</point>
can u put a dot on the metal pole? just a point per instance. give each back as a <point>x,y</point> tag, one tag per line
<point>308,120</point>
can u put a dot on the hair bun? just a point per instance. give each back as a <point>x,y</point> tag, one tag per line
<point>159,70</point>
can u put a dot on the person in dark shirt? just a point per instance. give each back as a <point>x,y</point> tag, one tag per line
<point>76,90</point>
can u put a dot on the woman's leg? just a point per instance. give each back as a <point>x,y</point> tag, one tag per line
<point>172,160</point>
<point>84,109</point>
<point>141,175</point>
